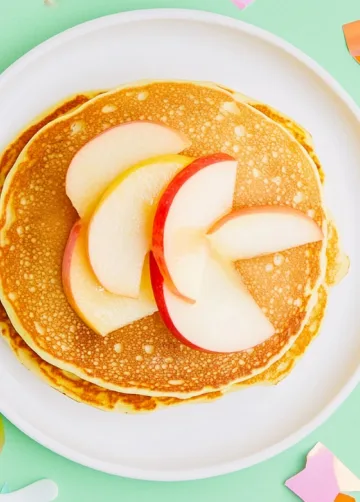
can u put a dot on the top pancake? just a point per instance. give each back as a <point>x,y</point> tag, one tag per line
<point>144,358</point>
<point>89,393</point>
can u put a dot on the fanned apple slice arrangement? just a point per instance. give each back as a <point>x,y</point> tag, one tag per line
<point>158,232</point>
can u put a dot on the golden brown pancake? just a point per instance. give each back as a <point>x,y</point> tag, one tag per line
<point>13,151</point>
<point>279,370</point>
<point>81,390</point>
<point>295,129</point>
<point>107,400</point>
<point>63,381</point>
<point>35,205</point>
<point>94,395</point>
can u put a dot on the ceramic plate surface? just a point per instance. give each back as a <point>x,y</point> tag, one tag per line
<point>246,427</point>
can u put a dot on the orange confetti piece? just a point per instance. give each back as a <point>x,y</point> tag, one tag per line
<point>352,37</point>
<point>344,498</point>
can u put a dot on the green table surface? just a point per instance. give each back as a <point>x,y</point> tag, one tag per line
<point>315,27</point>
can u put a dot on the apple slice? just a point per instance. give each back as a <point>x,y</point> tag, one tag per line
<point>250,232</point>
<point>103,158</point>
<point>102,311</point>
<point>120,228</point>
<point>225,317</point>
<point>197,196</point>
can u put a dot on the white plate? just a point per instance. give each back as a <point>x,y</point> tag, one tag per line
<point>249,426</point>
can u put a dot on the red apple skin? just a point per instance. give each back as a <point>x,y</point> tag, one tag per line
<point>157,245</point>
<point>157,282</point>
<point>261,209</point>
<point>66,267</point>
<point>66,264</point>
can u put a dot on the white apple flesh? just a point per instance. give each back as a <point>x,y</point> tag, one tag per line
<point>197,196</point>
<point>225,317</point>
<point>107,155</point>
<point>250,232</point>
<point>120,228</point>
<point>100,310</point>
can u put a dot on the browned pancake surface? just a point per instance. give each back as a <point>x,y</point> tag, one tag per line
<point>108,400</point>
<point>94,395</point>
<point>145,357</point>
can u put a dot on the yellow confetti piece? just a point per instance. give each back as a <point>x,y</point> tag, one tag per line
<point>2,435</point>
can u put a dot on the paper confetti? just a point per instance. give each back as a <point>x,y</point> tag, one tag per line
<point>242,4</point>
<point>5,489</point>
<point>2,435</point>
<point>352,37</point>
<point>344,498</point>
<point>40,491</point>
<point>324,479</point>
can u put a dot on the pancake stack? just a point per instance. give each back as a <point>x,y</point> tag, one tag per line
<point>142,366</point>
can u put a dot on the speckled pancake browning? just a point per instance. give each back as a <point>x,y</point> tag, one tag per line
<point>108,400</point>
<point>89,393</point>
<point>144,358</point>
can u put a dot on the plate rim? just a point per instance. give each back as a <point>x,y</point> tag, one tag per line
<point>227,466</point>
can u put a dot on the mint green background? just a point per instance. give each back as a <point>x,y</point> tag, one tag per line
<point>315,27</point>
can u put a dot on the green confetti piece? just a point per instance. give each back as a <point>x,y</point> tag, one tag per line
<point>4,489</point>
<point>2,435</point>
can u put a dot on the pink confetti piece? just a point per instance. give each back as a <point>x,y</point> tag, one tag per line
<point>324,478</point>
<point>242,4</point>
<point>317,482</point>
